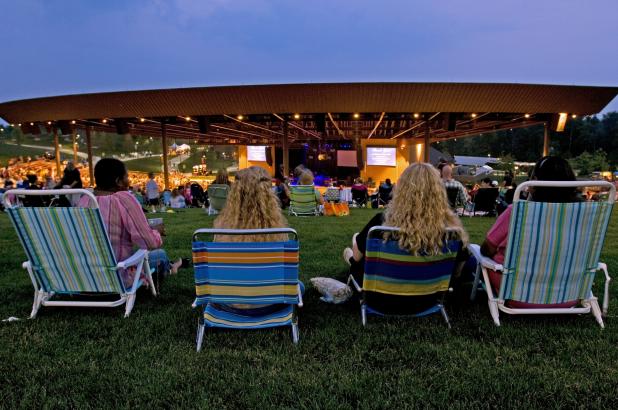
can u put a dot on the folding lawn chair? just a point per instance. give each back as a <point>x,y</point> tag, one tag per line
<point>217,196</point>
<point>253,273</point>
<point>332,194</point>
<point>552,255</point>
<point>389,270</point>
<point>303,201</point>
<point>69,253</point>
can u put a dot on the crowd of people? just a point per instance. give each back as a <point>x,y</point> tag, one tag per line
<point>418,205</point>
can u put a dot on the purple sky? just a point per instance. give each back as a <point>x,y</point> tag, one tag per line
<point>52,47</point>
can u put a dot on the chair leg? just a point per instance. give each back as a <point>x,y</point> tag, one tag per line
<point>129,305</point>
<point>475,284</point>
<point>364,315</point>
<point>495,312</point>
<point>445,316</point>
<point>148,274</point>
<point>200,334</point>
<point>295,332</point>
<point>39,297</point>
<point>596,311</point>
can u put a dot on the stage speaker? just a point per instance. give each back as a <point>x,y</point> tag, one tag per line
<point>202,123</point>
<point>269,156</point>
<point>65,127</point>
<point>320,123</point>
<point>452,121</point>
<point>122,127</point>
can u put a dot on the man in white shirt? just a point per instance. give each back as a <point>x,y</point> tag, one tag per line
<point>152,190</point>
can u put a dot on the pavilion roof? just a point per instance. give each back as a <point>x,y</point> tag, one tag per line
<point>255,113</point>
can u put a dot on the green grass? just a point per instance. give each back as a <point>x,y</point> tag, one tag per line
<point>195,158</point>
<point>8,151</point>
<point>150,164</point>
<point>96,358</point>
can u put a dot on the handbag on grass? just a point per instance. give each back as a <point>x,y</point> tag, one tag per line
<point>336,209</point>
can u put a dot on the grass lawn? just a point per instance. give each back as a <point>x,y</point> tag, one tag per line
<point>96,358</point>
<point>150,164</point>
<point>8,151</point>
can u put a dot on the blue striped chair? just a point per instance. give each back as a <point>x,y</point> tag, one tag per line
<point>390,270</point>
<point>303,201</point>
<point>552,255</point>
<point>248,273</point>
<point>69,253</point>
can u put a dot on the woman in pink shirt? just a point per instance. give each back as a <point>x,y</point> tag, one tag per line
<point>547,169</point>
<point>127,226</point>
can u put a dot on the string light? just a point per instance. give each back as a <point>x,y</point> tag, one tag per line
<point>104,121</point>
<point>142,119</point>
<point>240,117</point>
<point>356,115</point>
<point>297,116</point>
<point>187,118</point>
<point>574,116</point>
<point>473,115</point>
<point>73,122</point>
<point>416,115</point>
<point>527,115</point>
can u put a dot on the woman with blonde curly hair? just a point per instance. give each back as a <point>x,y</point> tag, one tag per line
<point>420,209</point>
<point>251,204</point>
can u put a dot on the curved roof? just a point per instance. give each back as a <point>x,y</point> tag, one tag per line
<point>315,98</point>
<point>313,111</point>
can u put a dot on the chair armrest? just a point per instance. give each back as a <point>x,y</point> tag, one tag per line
<point>486,262</point>
<point>134,259</point>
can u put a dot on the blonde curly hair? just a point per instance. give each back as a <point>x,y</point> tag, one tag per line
<point>251,204</point>
<point>421,211</point>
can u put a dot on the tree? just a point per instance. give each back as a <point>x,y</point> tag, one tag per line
<point>586,163</point>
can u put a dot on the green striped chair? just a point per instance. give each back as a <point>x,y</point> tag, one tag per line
<point>303,201</point>
<point>217,197</point>
<point>552,256</point>
<point>393,272</point>
<point>69,253</point>
<point>247,273</point>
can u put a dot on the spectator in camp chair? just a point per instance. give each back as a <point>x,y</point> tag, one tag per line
<point>542,254</point>
<point>252,205</point>
<point>425,223</point>
<point>359,193</point>
<point>304,198</point>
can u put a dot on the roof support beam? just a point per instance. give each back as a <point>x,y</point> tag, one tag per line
<point>166,171</point>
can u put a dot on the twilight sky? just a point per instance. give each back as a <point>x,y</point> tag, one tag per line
<point>51,47</point>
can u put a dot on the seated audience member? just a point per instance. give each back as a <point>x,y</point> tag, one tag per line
<point>359,192</point>
<point>282,192</point>
<point>548,168</point>
<point>177,200</point>
<point>251,204</point>
<point>306,178</point>
<point>34,200</point>
<point>450,183</point>
<point>385,191</point>
<point>222,177</point>
<point>421,211</point>
<point>486,183</point>
<point>124,219</point>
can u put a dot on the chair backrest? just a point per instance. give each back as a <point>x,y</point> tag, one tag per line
<point>359,195</point>
<point>553,249</point>
<point>217,195</point>
<point>451,194</point>
<point>302,198</point>
<point>485,199</point>
<point>68,248</point>
<point>332,194</point>
<point>392,270</point>
<point>246,272</point>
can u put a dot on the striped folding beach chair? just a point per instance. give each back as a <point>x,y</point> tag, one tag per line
<point>552,255</point>
<point>69,253</point>
<point>303,201</point>
<point>247,273</point>
<point>390,270</point>
<point>217,197</point>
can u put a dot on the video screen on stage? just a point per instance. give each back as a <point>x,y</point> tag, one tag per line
<point>346,158</point>
<point>381,156</point>
<point>256,153</point>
